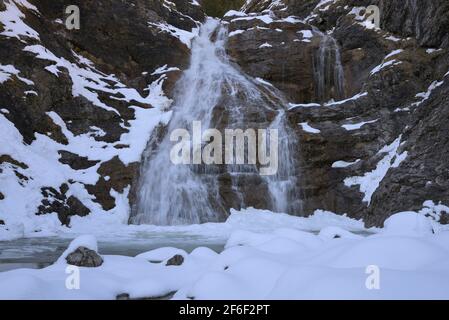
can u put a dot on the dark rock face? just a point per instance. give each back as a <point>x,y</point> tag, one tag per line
<point>273,55</point>
<point>2,223</point>
<point>427,21</point>
<point>176,260</point>
<point>84,257</point>
<point>390,131</point>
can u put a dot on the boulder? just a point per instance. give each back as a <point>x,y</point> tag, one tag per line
<point>176,260</point>
<point>84,257</point>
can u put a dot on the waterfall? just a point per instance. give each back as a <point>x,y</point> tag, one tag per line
<point>329,73</point>
<point>219,95</point>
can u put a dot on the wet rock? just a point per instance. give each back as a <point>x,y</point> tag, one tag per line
<point>84,257</point>
<point>176,260</point>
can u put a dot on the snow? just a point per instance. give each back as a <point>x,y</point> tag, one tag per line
<point>234,13</point>
<point>161,254</point>
<point>42,156</point>
<point>385,65</point>
<point>235,32</point>
<point>408,224</point>
<point>264,18</point>
<point>306,35</point>
<point>292,19</point>
<point>357,126</point>
<point>293,106</point>
<point>433,50</point>
<point>87,241</point>
<point>307,128</point>
<point>401,109</point>
<point>393,38</point>
<point>393,53</point>
<point>183,35</point>
<point>6,71</point>
<point>265,45</point>
<point>164,69</point>
<point>283,261</point>
<point>344,164</point>
<point>264,82</point>
<point>362,19</point>
<point>324,5</point>
<point>356,97</point>
<point>12,20</point>
<point>424,96</point>
<point>371,180</point>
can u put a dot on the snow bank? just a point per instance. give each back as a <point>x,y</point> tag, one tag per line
<point>407,259</point>
<point>408,223</point>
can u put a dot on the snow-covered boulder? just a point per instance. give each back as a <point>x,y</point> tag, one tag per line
<point>409,224</point>
<point>82,252</point>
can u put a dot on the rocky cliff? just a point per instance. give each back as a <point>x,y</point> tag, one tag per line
<point>381,147</point>
<point>78,106</point>
<point>369,106</point>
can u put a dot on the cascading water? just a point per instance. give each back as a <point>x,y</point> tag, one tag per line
<point>329,73</point>
<point>216,93</point>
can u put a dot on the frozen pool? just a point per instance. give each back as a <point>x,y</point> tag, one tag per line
<point>41,252</point>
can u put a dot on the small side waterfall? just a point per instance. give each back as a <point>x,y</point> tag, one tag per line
<point>329,73</point>
<point>219,95</point>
